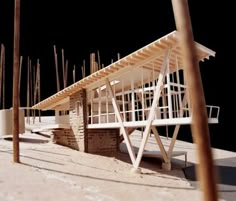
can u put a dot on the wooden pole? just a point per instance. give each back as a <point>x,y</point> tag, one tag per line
<point>199,126</point>
<point>31,86</point>
<point>1,67</point>
<point>118,56</point>
<point>33,89</point>
<point>15,101</point>
<point>63,66</point>
<point>92,61</point>
<point>66,74</point>
<point>56,66</point>
<point>28,90</point>
<point>84,69</point>
<point>38,87</point>
<point>99,61</point>
<point>3,79</point>
<point>74,74</point>
<point>36,72</point>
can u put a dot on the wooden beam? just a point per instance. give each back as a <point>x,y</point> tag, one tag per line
<point>152,110</point>
<point>170,112</point>
<point>120,120</point>
<point>73,74</point>
<point>155,132</point>
<point>199,126</point>
<point>1,69</point>
<point>56,66</point>
<point>63,66</point>
<point>15,101</point>
<point>3,78</point>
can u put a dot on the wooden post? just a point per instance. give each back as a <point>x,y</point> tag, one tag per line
<point>31,86</point>
<point>3,79</point>
<point>15,101</point>
<point>38,87</point>
<point>74,74</point>
<point>84,68</point>
<point>99,61</point>
<point>1,67</point>
<point>66,74</point>
<point>63,66</point>
<point>56,66</point>
<point>92,63</point>
<point>33,90</point>
<point>118,56</point>
<point>28,91</point>
<point>199,126</point>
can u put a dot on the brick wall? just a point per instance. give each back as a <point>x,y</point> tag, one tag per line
<point>65,137</point>
<point>81,138</point>
<point>76,137</point>
<point>103,140</point>
<point>99,140</point>
<point>78,119</point>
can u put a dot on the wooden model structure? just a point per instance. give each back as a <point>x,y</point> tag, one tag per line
<point>143,90</point>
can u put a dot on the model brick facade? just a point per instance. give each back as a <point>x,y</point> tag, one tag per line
<point>81,138</point>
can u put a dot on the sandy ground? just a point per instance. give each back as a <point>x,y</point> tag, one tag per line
<point>52,172</point>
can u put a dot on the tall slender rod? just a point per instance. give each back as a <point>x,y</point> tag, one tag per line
<point>15,101</point>
<point>63,66</point>
<point>28,90</point>
<point>1,67</point>
<point>56,66</point>
<point>3,79</point>
<point>199,126</point>
<point>74,74</point>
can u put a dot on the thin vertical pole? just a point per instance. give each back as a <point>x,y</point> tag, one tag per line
<point>99,61</point>
<point>38,87</point>
<point>199,126</point>
<point>99,105</point>
<point>31,87</point>
<point>170,112</point>
<point>3,79</point>
<point>33,91</point>
<point>74,74</point>
<point>143,105</point>
<point>63,66</point>
<point>179,89</point>
<point>132,99</point>
<point>118,56</point>
<point>107,108</point>
<point>123,100</point>
<point>56,66</point>
<point>1,66</point>
<point>28,90</point>
<point>66,74</point>
<point>84,69</point>
<point>15,101</point>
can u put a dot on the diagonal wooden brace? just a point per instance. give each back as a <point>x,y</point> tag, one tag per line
<point>120,120</point>
<point>152,110</point>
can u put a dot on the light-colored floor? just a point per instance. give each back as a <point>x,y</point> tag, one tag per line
<point>52,172</point>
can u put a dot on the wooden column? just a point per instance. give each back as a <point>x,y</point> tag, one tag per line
<point>15,101</point>
<point>200,131</point>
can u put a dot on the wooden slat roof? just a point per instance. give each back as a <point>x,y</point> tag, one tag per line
<point>147,57</point>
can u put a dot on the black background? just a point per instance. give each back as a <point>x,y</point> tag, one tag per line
<point>83,27</point>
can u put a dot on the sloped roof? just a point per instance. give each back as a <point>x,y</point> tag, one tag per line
<point>147,57</point>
